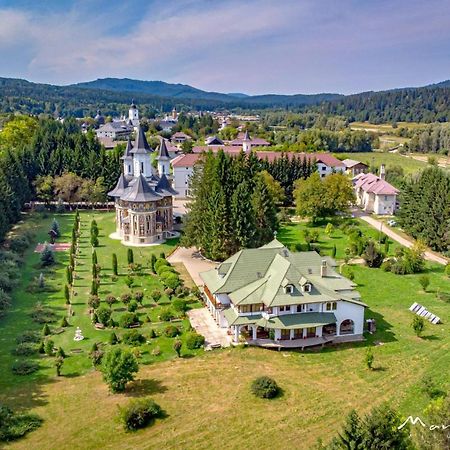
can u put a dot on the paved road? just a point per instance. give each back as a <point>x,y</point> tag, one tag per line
<point>205,325</point>
<point>430,256</point>
<point>193,262</point>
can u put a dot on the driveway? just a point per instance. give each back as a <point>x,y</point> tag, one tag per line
<point>193,262</point>
<point>380,226</point>
<point>205,325</point>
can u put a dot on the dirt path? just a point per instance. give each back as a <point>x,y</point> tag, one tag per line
<point>380,226</point>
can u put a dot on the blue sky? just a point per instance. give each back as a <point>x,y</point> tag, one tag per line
<point>252,46</point>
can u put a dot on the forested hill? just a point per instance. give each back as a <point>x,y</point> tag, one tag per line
<point>184,91</point>
<point>425,104</point>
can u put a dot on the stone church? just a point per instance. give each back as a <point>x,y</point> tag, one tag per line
<point>143,195</point>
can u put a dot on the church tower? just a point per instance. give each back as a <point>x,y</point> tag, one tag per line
<point>174,113</point>
<point>246,143</point>
<point>141,155</point>
<point>163,159</point>
<point>133,113</point>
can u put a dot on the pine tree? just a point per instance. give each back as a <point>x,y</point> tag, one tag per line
<point>243,217</point>
<point>67,294</point>
<point>69,276</point>
<point>153,259</point>
<point>47,257</point>
<point>55,227</point>
<point>94,257</point>
<point>265,213</point>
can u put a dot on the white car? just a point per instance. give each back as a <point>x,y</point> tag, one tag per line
<point>392,223</point>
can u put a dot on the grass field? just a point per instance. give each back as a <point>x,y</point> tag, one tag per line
<point>207,398</point>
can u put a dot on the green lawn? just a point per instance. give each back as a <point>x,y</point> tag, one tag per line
<point>207,398</point>
<point>291,234</point>
<point>18,317</point>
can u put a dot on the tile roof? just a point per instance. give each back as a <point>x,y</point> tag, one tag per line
<point>369,182</point>
<point>254,276</point>
<point>255,141</point>
<point>349,163</point>
<point>187,160</point>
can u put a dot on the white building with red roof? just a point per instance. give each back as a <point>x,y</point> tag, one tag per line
<point>375,194</point>
<point>183,165</point>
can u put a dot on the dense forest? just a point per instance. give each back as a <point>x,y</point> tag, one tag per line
<point>425,208</point>
<point>51,149</point>
<point>426,104</point>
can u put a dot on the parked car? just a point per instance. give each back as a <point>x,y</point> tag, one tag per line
<point>392,223</point>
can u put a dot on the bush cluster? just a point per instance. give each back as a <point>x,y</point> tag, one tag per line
<point>128,319</point>
<point>139,414</point>
<point>171,331</point>
<point>133,337</point>
<point>264,387</point>
<point>24,367</point>
<point>194,340</point>
<point>14,426</point>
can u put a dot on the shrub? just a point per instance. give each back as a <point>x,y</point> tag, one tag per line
<point>152,334</point>
<point>372,256</point>
<point>114,264</point>
<point>110,300</point>
<point>264,387</point>
<point>418,325</point>
<point>129,281</point>
<point>45,330</point>
<point>103,315</point>
<point>161,262</point>
<point>64,322</point>
<point>29,336</point>
<point>139,414</point>
<point>25,349</point>
<point>194,340</point>
<point>49,347</point>
<point>128,319</point>
<point>94,301</point>
<point>60,353</point>
<point>156,351</point>
<point>96,355</point>
<point>177,347</point>
<point>171,331</point>
<point>14,425</point>
<point>19,244</point>
<point>24,367</point>
<point>94,241</point>
<point>42,314</point>
<point>130,256</point>
<point>126,298</point>
<point>156,295</point>
<point>152,262</point>
<point>369,358</point>
<point>133,337</point>
<point>163,268</point>
<point>179,305</point>
<point>118,367</point>
<point>113,339</point>
<point>424,281</point>
<point>139,296</point>
<point>166,315</point>
<point>132,306</point>
<point>170,280</point>
<point>447,270</point>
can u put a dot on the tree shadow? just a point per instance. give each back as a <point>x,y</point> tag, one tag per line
<point>431,337</point>
<point>141,388</point>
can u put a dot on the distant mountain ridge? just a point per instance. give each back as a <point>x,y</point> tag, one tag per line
<point>184,91</point>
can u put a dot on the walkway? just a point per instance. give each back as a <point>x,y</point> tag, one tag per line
<point>205,325</point>
<point>381,226</point>
<point>193,262</point>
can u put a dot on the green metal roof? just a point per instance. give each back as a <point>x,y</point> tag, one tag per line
<point>234,319</point>
<point>299,320</point>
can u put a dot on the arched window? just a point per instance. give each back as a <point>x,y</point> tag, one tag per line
<point>347,327</point>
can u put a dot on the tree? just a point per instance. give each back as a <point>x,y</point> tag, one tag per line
<point>67,294</point>
<point>129,281</point>
<point>369,358</point>
<point>372,256</point>
<point>45,330</point>
<point>177,347</point>
<point>55,227</point>
<point>69,276</point>
<point>94,301</point>
<point>152,262</point>
<point>110,300</point>
<point>418,325</point>
<point>59,361</point>
<point>47,256</point>
<point>265,213</point>
<point>377,430</point>
<point>103,315</point>
<point>130,256</point>
<point>68,187</point>
<point>114,264</point>
<point>274,187</point>
<point>94,257</point>
<point>424,281</point>
<point>49,347</point>
<point>333,251</point>
<point>318,198</point>
<point>94,241</point>
<point>329,229</point>
<point>118,367</point>
<point>44,188</point>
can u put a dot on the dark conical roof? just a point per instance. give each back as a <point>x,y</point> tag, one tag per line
<point>140,192</point>
<point>121,185</point>
<point>247,136</point>
<point>128,149</point>
<point>140,143</point>
<point>162,150</point>
<point>133,105</point>
<point>164,188</point>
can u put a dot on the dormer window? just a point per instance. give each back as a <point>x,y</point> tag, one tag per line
<point>307,287</point>
<point>289,289</point>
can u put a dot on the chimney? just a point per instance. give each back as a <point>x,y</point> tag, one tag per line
<point>382,171</point>
<point>323,269</point>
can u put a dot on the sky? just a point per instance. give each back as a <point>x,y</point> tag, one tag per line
<point>250,46</point>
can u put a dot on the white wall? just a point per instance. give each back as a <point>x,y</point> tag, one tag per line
<point>346,310</point>
<point>181,177</point>
<point>325,170</point>
<point>384,204</point>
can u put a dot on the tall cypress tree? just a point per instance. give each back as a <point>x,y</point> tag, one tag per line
<point>265,213</point>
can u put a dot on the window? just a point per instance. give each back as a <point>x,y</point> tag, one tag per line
<point>142,167</point>
<point>331,306</point>
<point>385,198</point>
<point>307,287</point>
<point>289,289</point>
<point>285,308</point>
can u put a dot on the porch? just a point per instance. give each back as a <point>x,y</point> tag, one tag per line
<point>291,343</point>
